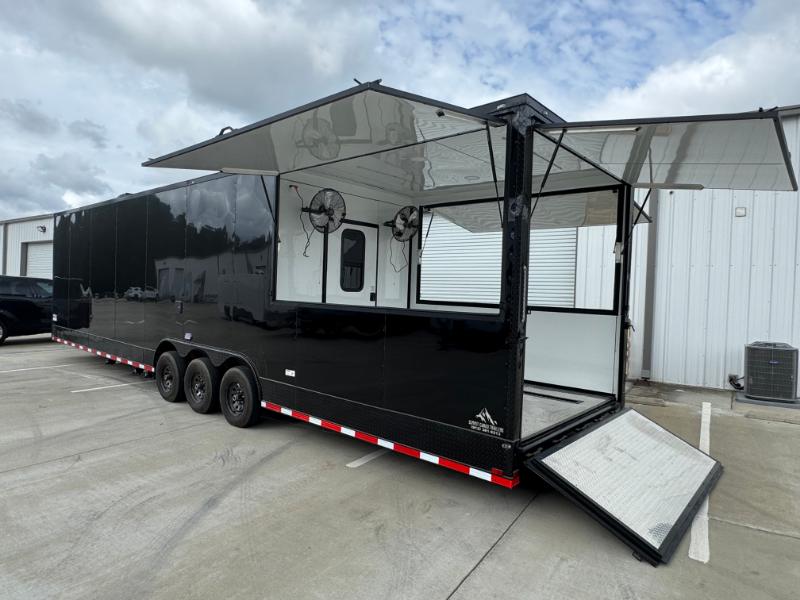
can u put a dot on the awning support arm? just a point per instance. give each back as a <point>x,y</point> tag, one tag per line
<point>547,171</point>
<point>494,173</point>
<point>641,208</point>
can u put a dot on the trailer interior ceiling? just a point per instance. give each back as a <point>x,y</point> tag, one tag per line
<point>554,318</point>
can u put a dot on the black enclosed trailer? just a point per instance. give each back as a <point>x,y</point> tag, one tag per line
<point>448,283</point>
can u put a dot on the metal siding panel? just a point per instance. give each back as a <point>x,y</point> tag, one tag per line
<point>783,268</point>
<point>22,232</point>
<point>661,306</point>
<point>678,292</point>
<point>792,129</point>
<point>637,298</point>
<point>723,281</point>
<point>595,267</point>
<point>739,306</point>
<point>718,282</point>
<point>697,292</point>
<point>760,302</point>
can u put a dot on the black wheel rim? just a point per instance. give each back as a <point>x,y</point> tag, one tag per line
<point>199,387</point>
<point>167,378</point>
<point>236,398</point>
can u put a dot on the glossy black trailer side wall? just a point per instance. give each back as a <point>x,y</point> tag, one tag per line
<point>196,260</point>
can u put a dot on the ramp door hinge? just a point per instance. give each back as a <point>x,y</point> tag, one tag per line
<point>618,252</point>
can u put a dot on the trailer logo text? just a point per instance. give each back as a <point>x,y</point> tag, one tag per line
<point>484,423</point>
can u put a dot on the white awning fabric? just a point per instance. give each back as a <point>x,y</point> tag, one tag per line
<point>361,121</point>
<point>745,151</point>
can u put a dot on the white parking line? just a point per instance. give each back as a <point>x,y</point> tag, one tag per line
<point>108,387</point>
<point>699,548</point>
<point>365,459</point>
<point>10,354</point>
<point>36,368</point>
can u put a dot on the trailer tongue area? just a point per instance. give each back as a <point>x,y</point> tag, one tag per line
<point>637,479</point>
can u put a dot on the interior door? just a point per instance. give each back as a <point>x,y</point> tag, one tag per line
<point>352,259</point>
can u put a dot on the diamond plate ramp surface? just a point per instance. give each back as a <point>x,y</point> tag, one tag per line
<point>635,477</point>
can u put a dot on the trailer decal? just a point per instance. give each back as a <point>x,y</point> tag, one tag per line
<point>496,478</point>
<point>101,354</point>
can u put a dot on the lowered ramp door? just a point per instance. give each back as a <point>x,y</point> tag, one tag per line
<point>635,477</point>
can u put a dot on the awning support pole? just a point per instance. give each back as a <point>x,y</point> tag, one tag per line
<point>547,171</point>
<point>494,174</point>
<point>641,208</point>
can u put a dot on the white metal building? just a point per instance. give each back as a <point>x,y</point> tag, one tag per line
<point>26,246</point>
<point>716,270</point>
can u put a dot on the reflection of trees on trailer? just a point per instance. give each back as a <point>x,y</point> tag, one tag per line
<point>448,283</point>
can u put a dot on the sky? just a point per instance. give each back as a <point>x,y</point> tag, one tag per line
<point>91,89</point>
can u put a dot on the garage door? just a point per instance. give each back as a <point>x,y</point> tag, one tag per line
<point>39,261</point>
<point>464,266</point>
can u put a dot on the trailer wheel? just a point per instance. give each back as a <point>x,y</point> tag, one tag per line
<point>201,386</point>
<point>3,332</point>
<point>239,397</point>
<point>169,376</point>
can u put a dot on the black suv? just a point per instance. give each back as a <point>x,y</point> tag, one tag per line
<point>25,306</point>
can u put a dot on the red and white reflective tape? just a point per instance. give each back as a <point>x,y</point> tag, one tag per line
<point>493,477</point>
<point>101,354</point>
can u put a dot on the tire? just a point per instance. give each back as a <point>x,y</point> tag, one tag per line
<point>239,397</point>
<point>3,331</point>
<point>169,376</point>
<point>201,386</point>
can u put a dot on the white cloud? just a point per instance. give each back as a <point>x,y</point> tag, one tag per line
<point>147,77</point>
<point>758,66</point>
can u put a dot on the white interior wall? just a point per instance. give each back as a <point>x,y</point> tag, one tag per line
<point>572,349</point>
<point>300,277</point>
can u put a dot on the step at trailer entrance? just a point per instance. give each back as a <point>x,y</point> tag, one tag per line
<point>503,170</point>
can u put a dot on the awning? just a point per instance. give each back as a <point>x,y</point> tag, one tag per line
<point>578,209</point>
<point>364,120</point>
<point>744,151</point>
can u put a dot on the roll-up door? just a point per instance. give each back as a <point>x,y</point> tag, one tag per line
<point>39,260</point>
<point>460,266</point>
<point>551,275</point>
